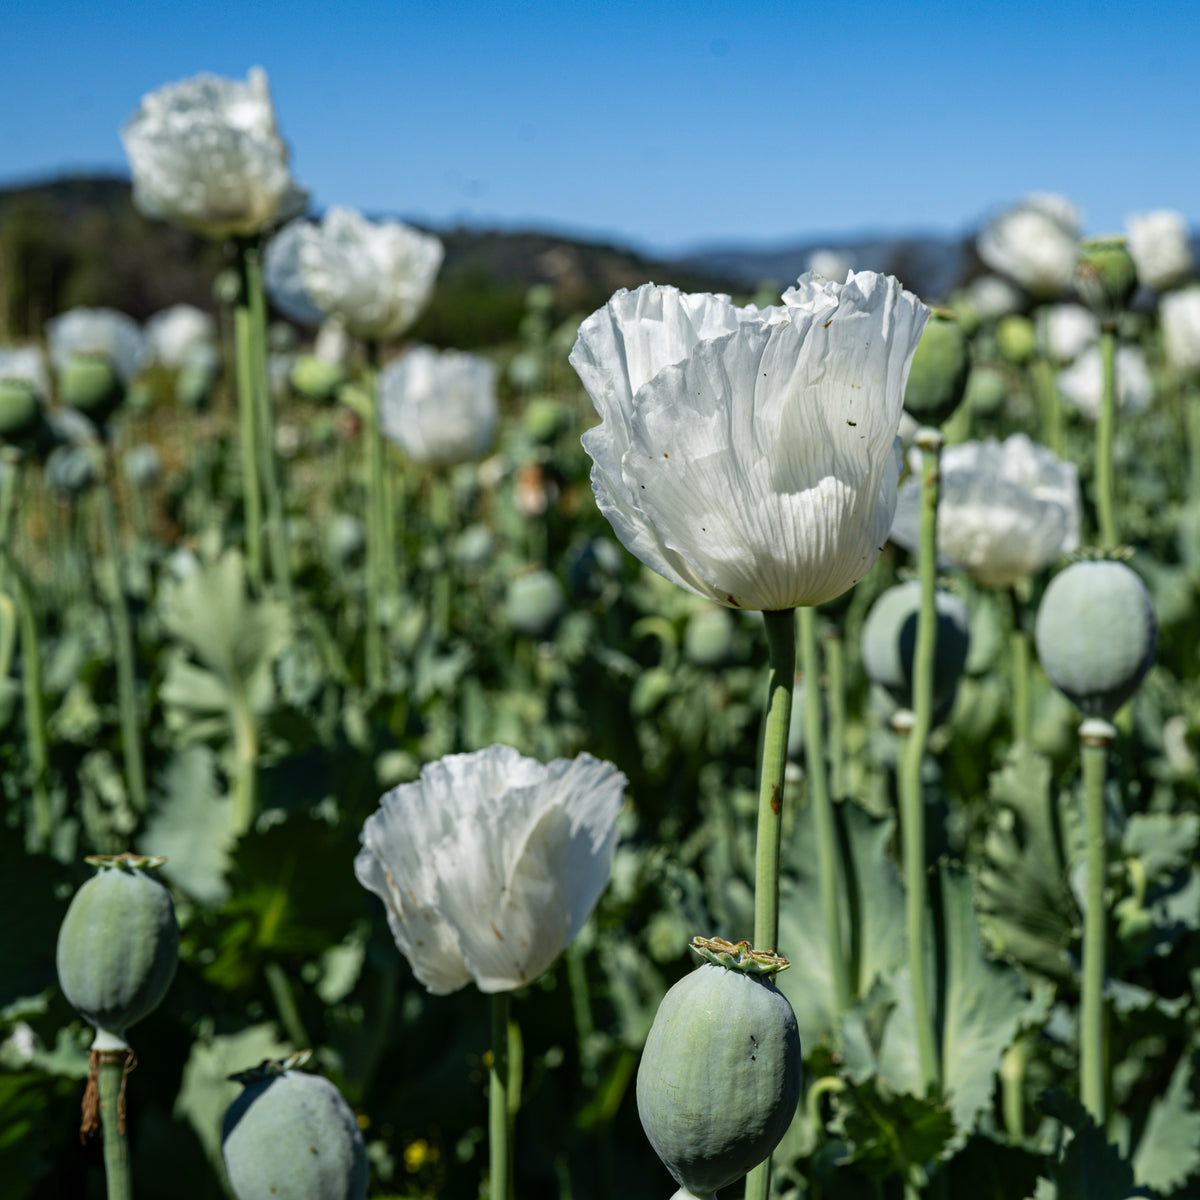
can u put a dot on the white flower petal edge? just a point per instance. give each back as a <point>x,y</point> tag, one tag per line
<point>750,455</point>
<point>490,863</point>
<point>103,332</point>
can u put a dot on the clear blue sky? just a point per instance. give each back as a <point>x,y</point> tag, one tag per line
<point>661,125</point>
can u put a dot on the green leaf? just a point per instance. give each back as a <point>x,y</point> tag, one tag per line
<point>193,827</point>
<point>1164,842</point>
<point>1025,902</point>
<point>1169,1150</point>
<point>1091,1167</point>
<point>890,1134</point>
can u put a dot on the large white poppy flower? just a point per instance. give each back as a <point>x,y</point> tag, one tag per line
<point>1036,244</point>
<point>490,863</point>
<point>206,155</point>
<point>1006,510</point>
<point>375,276</point>
<point>1161,245</point>
<point>97,332</point>
<point>1065,331</point>
<point>1082,383</point>
<point>439,405</point>
<point>751,455</point>
<point>1180,315</point>
<point>175,334</point>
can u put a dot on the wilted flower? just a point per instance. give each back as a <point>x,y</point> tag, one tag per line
<point>1161,245</point>
<point>375,276</point>
<point>1035,244</point>
<point>490,863</point>
<point>1065,331</point>
<point>174,334</point>
<point>439,405</point>
<point>1007,509</point>
<point>749,454</point>
<point>97,333</point>
<point>1180,315</point>
<point>206,155</point>
<point>1083,383</point>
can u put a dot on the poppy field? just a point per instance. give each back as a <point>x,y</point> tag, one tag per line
<point>708,738</point>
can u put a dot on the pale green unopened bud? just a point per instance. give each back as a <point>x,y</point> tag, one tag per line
<point>1105,276</point>
<point>90,383</point>
<point>1017,338</point>
<point>20,409</point>
<point>316,379</point>
<point>938,378</point>
<point>987,389</point>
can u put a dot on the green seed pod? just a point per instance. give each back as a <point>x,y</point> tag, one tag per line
<point>1096,634</point>
<point>889,641</point>
<point>534,602</point>
<point>987,390</point>
<point>708,640</point>
<point>90,383</point>
<point>938,378</point>
<point>20,409</point>
<point>719,1078</point>
<point>291,1136</point>
<point>315,379</point>
<point>118,947</point>
<point>1016,337</point>
<point>1105,276</point>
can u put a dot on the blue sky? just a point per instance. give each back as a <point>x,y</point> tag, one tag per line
<point>661,126</point>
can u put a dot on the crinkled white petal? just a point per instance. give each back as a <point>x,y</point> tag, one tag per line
<point>97,331</point>
<point>490,863</point>
<point>376,276</point>
<point>1161,245</point>
<point>1035,243</point>
<point>1006,510</point>
<point>174,333</point>
<point>1180,315</point>
<point>1082,383</point>
<point>205,154</point>
<point>440,406</point>
<point>752,458</point>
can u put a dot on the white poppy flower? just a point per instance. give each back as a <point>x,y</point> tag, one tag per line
<point>1082,383</point>
<point>1180,315</point>
<point>99,332</point>
<point>490,863</point>
<point>1035,244</point>
<point>440,406</point>
<point>750,455</point>
<point>1065,331</point>
<point>24,364</point>
<point>283,277</point>
<point>376,276</point>
<point>174,334</point>
<point>1006,510</point>
<point>205,154</point>
<point>993,297</point>
<point>1161,245</point>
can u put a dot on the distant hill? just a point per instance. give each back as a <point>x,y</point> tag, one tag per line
<point>80,241</point>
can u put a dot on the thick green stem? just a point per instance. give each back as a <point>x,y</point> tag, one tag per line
<point>1049,403</point>
<point>835,697</point>
<point>277,543</point>
<point>376,532</point>
<point>1019,654</point>
<point>912,803</point>
<point>243,325</point>
<point>823,818</point>
<point>441,519</point>
<point>1012,1088</point>
<point>1095,736</point>
<point>1105,428</point>
<point>781,674</point>
<point>111,1081</point>
<point>499,1122</point>
<point>245,781</point>
<point>127,705</point>
<point>10,466</point>
<point>1190,399</point>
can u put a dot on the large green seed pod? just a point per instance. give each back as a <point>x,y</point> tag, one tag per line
<point>889,641</point>
<point>20,409</point>
<point>1016,337</point>
<point>291,1136</point>
<point>118,947</point>
<point>90,383</point>
<point>1105,276</point>
<point>937,380</point>
<point>719,1079</point>
<point>1096,634</point>
<point>316,379</point>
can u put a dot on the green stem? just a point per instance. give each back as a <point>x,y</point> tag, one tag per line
<point>441,519</point>
<point>835,696</point>
<point>131,733</point>
<point>375,528</point>
<point>285,1005</point>
<point>1049,403</point>
<point>243,325</point>
<point>1190,399</point>
<point>1105,428</point>
<point>10,467</point>
<point>1019,653</point>
<point>35,713</point>
<point>912,803</point>
<point>1012,1088</point>
<point>245,782</point>
<point>499,1124</point>
<point>823,818</point>
<point>781,674</point>
<point>117,1172</point>
<point>277,544</point>
<point>1095,736</point>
